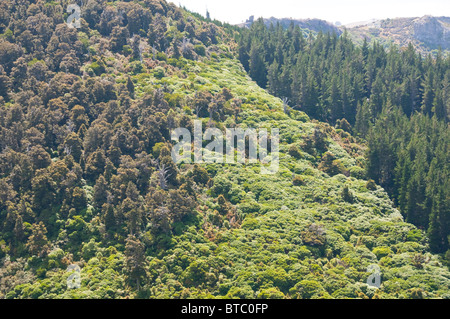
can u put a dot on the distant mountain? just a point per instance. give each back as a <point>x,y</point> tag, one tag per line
<point>315,25</point>
<point>427,33</point>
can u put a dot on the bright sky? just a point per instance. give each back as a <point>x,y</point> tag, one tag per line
<point>344,11</point>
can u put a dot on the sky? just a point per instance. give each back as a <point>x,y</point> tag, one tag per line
<point>343,11</point>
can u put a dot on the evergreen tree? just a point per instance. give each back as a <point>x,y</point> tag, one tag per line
<point>135,260</point>
<point>130,87</point>
<point>257,67</point>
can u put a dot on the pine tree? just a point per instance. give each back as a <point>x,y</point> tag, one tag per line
<point>363,116</point>
<point>377,97</point>
<point>130,87</point>
<point>438,194</point>
<point>446,96</point>
<point>257,67</point>
<point>334,103</point>
<point>273,77</point>
<point>438,231</point>
<point>243,53</point>
<point>403,175</point>
<point>428,94</point>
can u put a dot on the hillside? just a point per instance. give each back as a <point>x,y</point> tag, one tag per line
<point>307,25</point>
<point>85,137</point>
<point>427,33</point>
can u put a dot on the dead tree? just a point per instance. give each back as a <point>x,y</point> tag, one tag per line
<point>163,174</point>
<point>286,106</point>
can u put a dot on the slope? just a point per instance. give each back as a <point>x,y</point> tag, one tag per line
<point>210,231</point>
<point>427,33</point>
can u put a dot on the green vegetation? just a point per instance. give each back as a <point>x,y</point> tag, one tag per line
<point>397,100</point>
<point>86,175</point>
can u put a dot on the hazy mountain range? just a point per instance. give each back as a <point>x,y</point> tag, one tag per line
<point>314,25</point>
<point>427,33</point>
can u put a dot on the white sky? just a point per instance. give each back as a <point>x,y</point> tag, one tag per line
<point>344,11</point>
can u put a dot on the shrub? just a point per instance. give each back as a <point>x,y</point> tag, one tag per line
<point>8,35</point>
<point>275,276</point>
<point>222,185</point>
<point>295,152</point>
<point>242,292</point>
<point>98,68</point>
<point>382,251</point>
<point>172,61</point>
<point>271,293</point>
<point>316,142</point>
<point>331,165</point>
<point>159,72</point>
<point>344,125</point>
<point>347,194</point>
<point>161,56</point>
<point>314,235</point>
<point>41,272</point>
<point>414,235</point>
<point>200,49</point>
<point>127,50</point>
<point>418,260</point>
<point>89,249</point>
<point>305,289</point>
<point>298,181</point>
<point>416,293</point>
<point>195,274</point>
<point>357,172</point>
<point>137,67</point>
<point>174,100</point>
<point>249,207</point>
<point>371,185</point>
<point>300,116</point>
<point>156,150</point>
<point>200,175</point>
<point>447,258</point>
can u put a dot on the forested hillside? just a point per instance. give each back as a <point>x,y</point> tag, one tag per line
<point>396,99</point>
<point>87,177</point>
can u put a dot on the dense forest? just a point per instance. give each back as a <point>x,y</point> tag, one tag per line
<point>77,149</point>
<point>87,177</point>
<point>394,98</point>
